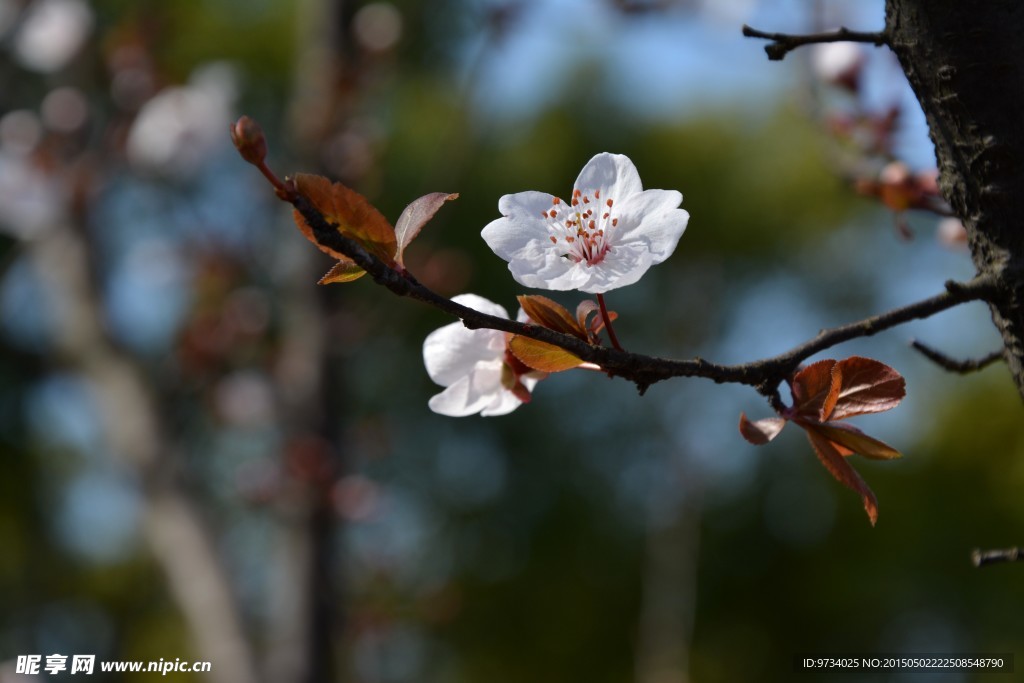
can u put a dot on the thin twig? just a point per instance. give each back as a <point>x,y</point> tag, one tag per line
<point>962,367</point>
<point>643,370</point>
<point>982,557</point>
<point>980,288</point>
<point>608,322</point>
<point>783,43</point>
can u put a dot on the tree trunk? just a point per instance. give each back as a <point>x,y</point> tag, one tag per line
<point>965,62</point>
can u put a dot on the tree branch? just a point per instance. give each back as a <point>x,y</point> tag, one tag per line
<point>961,367</point>
<point>981,558</point>
<point>765,375</point>
<point>783,43</point>
<point>980,288</point>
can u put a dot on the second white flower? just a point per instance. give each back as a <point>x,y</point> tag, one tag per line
<point>605,236</point>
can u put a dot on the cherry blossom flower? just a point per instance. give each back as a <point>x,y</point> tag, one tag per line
<point>606,236</point>
<point>475,367</point>
<point>839,63</point>
<point>952,233</point>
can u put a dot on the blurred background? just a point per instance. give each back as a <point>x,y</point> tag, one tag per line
<point>208,457</point>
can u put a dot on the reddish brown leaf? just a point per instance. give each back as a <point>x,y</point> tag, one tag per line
<point>762,431</point>
<point>584,310</point>
<point>353,215</point>
<point>541,356</point>
<point>815,390</point>
<point>848,437</point>
<point>867,386</point>
<point>511,378</point>
<point>414,217</point>
<point>345,270</point>
<point>839,468</point>
<point>551,314</point>
<point>520,391</point>
<point>597,324</point>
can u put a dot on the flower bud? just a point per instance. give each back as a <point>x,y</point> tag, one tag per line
<point>249,140</point>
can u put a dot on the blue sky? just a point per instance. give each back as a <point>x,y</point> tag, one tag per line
<point>659,63</point>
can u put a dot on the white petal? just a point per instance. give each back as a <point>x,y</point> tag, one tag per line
<point>653,219</point>
<point>480,390</point>
<point>520,225</point>
<point>530,379</point>
<point>522,238</point>
<point>623,265</point>
<point>453,351</point>
<point>613,174</point>
<point>479,303</point>
<point>832,61</point>
<point>506,401</point>
<point>544,267</point>
<point>455,401</point>
<point>501,404</point>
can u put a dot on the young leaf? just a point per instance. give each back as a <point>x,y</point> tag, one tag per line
<point>353,215</point>
<point>550,314</point>
<point>815,390</point>
<point>541,356</point>
<point>520,391</point>
<point>866,386</point>
<point>597,322</point>
<point>762,431</point>
<point>854,440</point>
<point>414,217</point>
<point>511,380</point>
<point>588,307</point>
<point>345,270</point>
<point>839,468</point>
<point>584,310</point>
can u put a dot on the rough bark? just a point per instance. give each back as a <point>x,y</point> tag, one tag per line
<point>965,62</point>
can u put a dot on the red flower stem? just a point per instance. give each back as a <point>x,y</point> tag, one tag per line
<point>284,191</point>
<point>608,323</point>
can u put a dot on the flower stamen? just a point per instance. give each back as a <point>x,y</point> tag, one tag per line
<point>586,235</point>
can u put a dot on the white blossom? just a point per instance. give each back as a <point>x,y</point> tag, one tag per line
<point>606,236</point>
<point>473,366</point>
<point>837,62</point>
